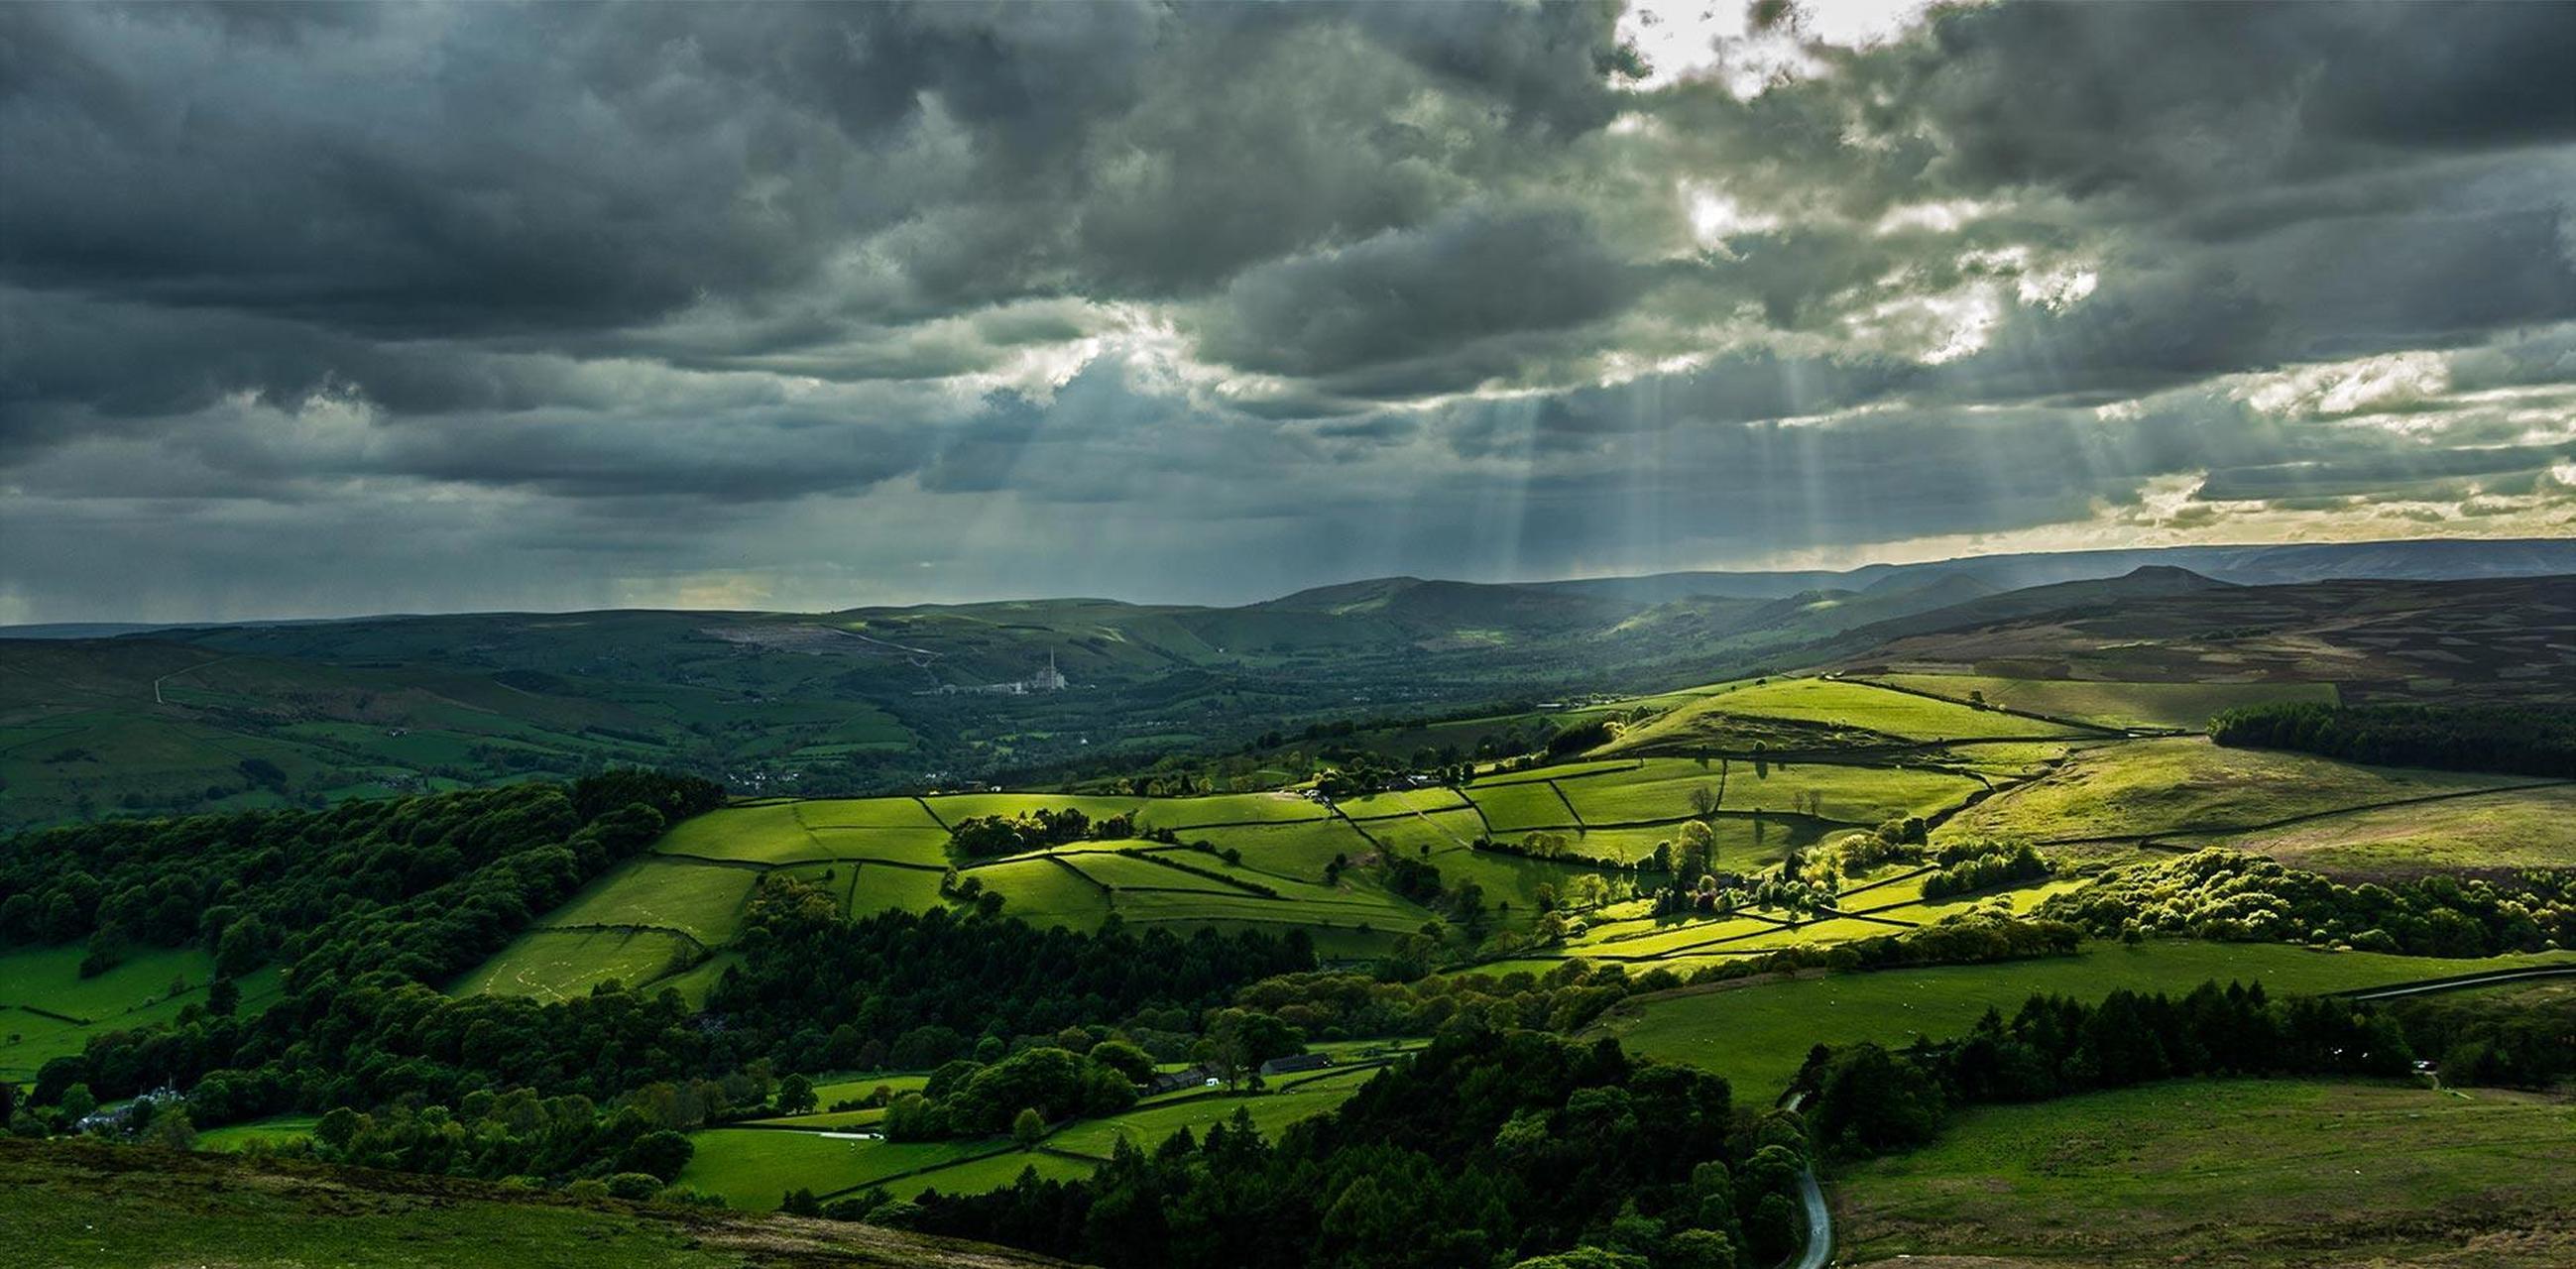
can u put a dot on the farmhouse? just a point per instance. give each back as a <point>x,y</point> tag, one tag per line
<point>1173,1081</point>
<point>1294,1063</point>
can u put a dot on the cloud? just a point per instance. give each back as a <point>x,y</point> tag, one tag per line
<point>1205,300</point>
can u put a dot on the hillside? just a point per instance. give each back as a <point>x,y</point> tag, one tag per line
<point>78,1203</point>
<point>880,699</point>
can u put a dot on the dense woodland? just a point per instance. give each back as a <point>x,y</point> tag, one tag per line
<point>2520,741</point>
<point>910,991</point>
<point>1487,1148</point>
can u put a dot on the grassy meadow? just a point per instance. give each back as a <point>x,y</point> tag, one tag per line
<point>2240,1172</point>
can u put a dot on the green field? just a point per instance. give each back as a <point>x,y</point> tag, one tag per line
<point>886,888</point>
<point>276,1131</point>
<point>2510,830</point>
<point>1756,1033</point>
<point>1529,804</point>
<point>2190,785</point>
<point>754,1168</point>
<point>47,1010</point>
<point>1294,850</point>
<point>1237,808</point>
<point>864,813</point>
<point>1822,713</point>
<point>1120,872</point>
<point>703,901</point>
<point>2185,705</point>
<point>1044,893</point>
<point>953,807</point>
<point>79,1203</point>
<point>1148,1126</point>
<point>2239,1172</point>
<point>562,964</point>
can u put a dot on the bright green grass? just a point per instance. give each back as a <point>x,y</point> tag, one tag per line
<point>275,1131</point>
<point>1355,906</point>
<point>827,1092</point>
<point>1757,1034</point>
<point>2240,1172</point>
<point>1291,850</point>
<point>2186,784</point>
<point>1522,807</point>
<point>703,901</point>
<point>1119,872</point>
<point>1859,795</point>
<point>1858,705</point>
<point>1042,893</point>
<point>135,993</point>
<point>1447,830</point>
<point>754,1168</point>
<point>1403,802</point>
<point>2523,828</point>
<point>1510,879</point>
<point>1744,844</point>
<point>1232,808</point>
<point>864,813</point>
<point>975,1176</point>
<point>759,834</point>
<point>2186,705</point>
<point>957,806</point>
<point>694,984</point>
<point>49,978</point>
<point>883,888</point>
<point>903,845</point>
<point>1149,1126</point>
<point>1587,769</point>
<point>561,964</point>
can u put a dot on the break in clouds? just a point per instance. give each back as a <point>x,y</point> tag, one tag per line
<point>312,309</point>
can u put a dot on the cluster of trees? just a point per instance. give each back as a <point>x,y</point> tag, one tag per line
<point>514,1134</point>
<point>2521,740</point>
<point>986,836</point>
<point>1983,863</point>
<point>2223,894</point>
<point>1363,772</point>
<point>2525,1040</point>
<point>966,1097</point>
<point>1869,1099</point>
<point>1487,1148</point>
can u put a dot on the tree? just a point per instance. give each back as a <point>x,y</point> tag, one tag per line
<point>795,1095</point>
<point>1703,801</point>
<point>1029,1128</point>
<point>170,1129</point>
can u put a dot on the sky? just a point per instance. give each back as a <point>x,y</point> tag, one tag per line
<point>312,309</point>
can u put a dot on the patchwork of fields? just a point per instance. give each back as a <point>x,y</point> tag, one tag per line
<point>1949,749</point>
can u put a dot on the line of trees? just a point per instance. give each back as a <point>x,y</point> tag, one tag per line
<point>2515,739</point>
<point>1869,1099</point>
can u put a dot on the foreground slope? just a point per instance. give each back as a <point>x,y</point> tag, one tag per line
<point>73,1203</point>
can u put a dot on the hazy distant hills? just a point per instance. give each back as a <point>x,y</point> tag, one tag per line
<point>101,718</point>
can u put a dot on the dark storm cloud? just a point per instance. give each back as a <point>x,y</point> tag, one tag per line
<point>1427,287</point>
<point>2168,100</point>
